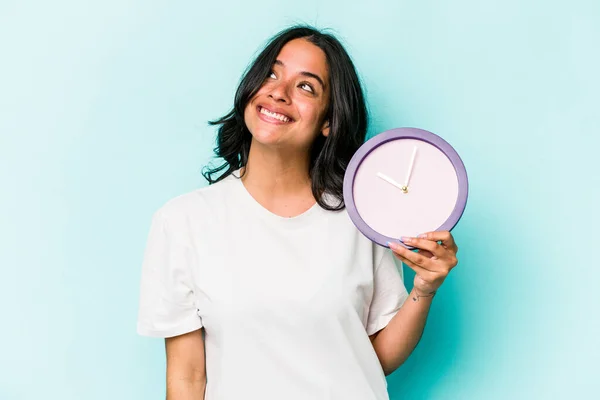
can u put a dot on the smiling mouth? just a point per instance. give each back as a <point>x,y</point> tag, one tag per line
<point>274,115</point>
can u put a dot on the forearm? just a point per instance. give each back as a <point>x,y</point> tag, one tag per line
<point>394,343</point>
<point>185,389</point>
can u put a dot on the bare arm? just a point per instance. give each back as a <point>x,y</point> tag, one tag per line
<point>394,343</point>
<point>186,372</point>
<point>432,263</point>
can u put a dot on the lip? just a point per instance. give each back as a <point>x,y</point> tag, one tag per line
<point>277,110</point>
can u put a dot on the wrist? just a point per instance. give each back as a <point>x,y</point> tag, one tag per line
<point>418,293</point>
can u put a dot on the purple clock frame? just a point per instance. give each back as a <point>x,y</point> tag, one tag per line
<point>404,133</point>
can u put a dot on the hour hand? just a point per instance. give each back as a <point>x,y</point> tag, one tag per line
<point>390,181</point>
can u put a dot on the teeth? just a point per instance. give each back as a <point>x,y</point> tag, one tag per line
<point>280,117</point>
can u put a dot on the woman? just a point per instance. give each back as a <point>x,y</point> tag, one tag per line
<point>260,283</point>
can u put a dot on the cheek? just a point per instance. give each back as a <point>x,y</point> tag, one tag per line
<point>252,102</point>
<point>247,115</point>
<point>310,112</point>
<point>248,110</point>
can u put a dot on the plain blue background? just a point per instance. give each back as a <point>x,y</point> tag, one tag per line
<point>103,117</point>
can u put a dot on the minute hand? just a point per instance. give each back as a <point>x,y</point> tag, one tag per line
<point>410,168</point>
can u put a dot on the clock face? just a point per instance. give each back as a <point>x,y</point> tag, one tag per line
<point>404,182</point>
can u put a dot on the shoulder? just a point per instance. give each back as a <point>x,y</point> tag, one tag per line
<point>343,225</point>
<point>195,204</point>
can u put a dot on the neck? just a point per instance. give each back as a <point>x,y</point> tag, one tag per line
<point>276,173</point>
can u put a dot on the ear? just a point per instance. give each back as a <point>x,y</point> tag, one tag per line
<point>325,128</point>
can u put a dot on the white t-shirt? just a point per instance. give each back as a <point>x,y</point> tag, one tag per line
<point>287,304</point>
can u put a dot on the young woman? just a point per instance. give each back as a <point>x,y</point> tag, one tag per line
<point>260,283</point>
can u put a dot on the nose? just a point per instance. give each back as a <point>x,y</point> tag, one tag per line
<point>280,92</point>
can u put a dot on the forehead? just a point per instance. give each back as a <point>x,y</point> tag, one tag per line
<point>300,55</point>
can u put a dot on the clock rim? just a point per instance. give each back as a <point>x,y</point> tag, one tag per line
<point>395,134</point>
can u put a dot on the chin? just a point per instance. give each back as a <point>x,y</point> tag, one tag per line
<point>265,133</point>
<point>266,137</point>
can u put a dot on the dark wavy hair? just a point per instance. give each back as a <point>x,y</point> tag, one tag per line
<point>347,115</point>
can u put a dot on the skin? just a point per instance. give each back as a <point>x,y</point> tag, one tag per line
<point>276,175</point>
<point>434,260</point>
<point>186,373</point>
<point>432,263</point>
<point>277,170</point>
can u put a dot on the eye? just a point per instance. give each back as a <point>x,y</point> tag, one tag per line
<point>308,87</point>
<point>272,75</point>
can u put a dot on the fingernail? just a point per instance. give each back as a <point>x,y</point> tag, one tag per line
<point>422,235</point>
<point>405,239</point>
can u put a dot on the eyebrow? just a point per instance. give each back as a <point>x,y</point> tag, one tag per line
<point>305,73</point>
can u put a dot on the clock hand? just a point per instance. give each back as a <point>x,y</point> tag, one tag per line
<point>389,180</point>
<point>410,168</point>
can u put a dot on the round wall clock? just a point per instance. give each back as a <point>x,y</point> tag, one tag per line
<point>404,182</point>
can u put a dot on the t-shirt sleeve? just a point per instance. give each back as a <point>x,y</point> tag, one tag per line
<point>167,304</point>
<point>389,292</point>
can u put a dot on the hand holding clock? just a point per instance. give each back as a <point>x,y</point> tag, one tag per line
<point>432,262</point>
<point>434,206</point>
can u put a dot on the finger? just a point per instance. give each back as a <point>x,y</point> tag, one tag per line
<point>416,259</point>
<point>440,236</point>
<point>425,274</point>
<point>425,253</point>
<point>431,246</point>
